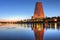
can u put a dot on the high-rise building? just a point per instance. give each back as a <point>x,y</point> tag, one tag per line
<point>38,13</point>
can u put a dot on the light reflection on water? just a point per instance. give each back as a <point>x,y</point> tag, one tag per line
<point>32,31</point>
<point>16,32</point>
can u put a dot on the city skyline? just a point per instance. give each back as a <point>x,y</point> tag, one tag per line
<point>24,9</point>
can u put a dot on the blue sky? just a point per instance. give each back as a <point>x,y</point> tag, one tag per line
<point>24,9</point>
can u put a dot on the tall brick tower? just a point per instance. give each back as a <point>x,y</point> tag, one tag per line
<point>38,13</point>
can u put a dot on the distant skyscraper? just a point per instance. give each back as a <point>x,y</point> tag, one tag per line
<point>38,13</point>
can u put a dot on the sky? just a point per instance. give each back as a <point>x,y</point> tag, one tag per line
<point>24,9</point>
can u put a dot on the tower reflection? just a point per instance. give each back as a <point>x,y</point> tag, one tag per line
<point>38,31</point>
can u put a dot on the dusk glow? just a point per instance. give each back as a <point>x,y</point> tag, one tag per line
<point>29,19</point>
<point>24,9</point>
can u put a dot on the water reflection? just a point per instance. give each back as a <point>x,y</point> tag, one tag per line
<point>31,31</point>
<point>38,31</point>
<point>16,32</point>
<point>52,31</point>
<point>52,26</point>
<point>41,31</point>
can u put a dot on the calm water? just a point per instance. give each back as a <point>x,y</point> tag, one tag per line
<point>33,31</point>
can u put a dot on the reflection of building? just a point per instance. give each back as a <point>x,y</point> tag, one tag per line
<point>38,31</point>
<point>52,26</point>
<point>38,13</point>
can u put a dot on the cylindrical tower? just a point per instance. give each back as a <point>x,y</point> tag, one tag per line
<point>38,13</point>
